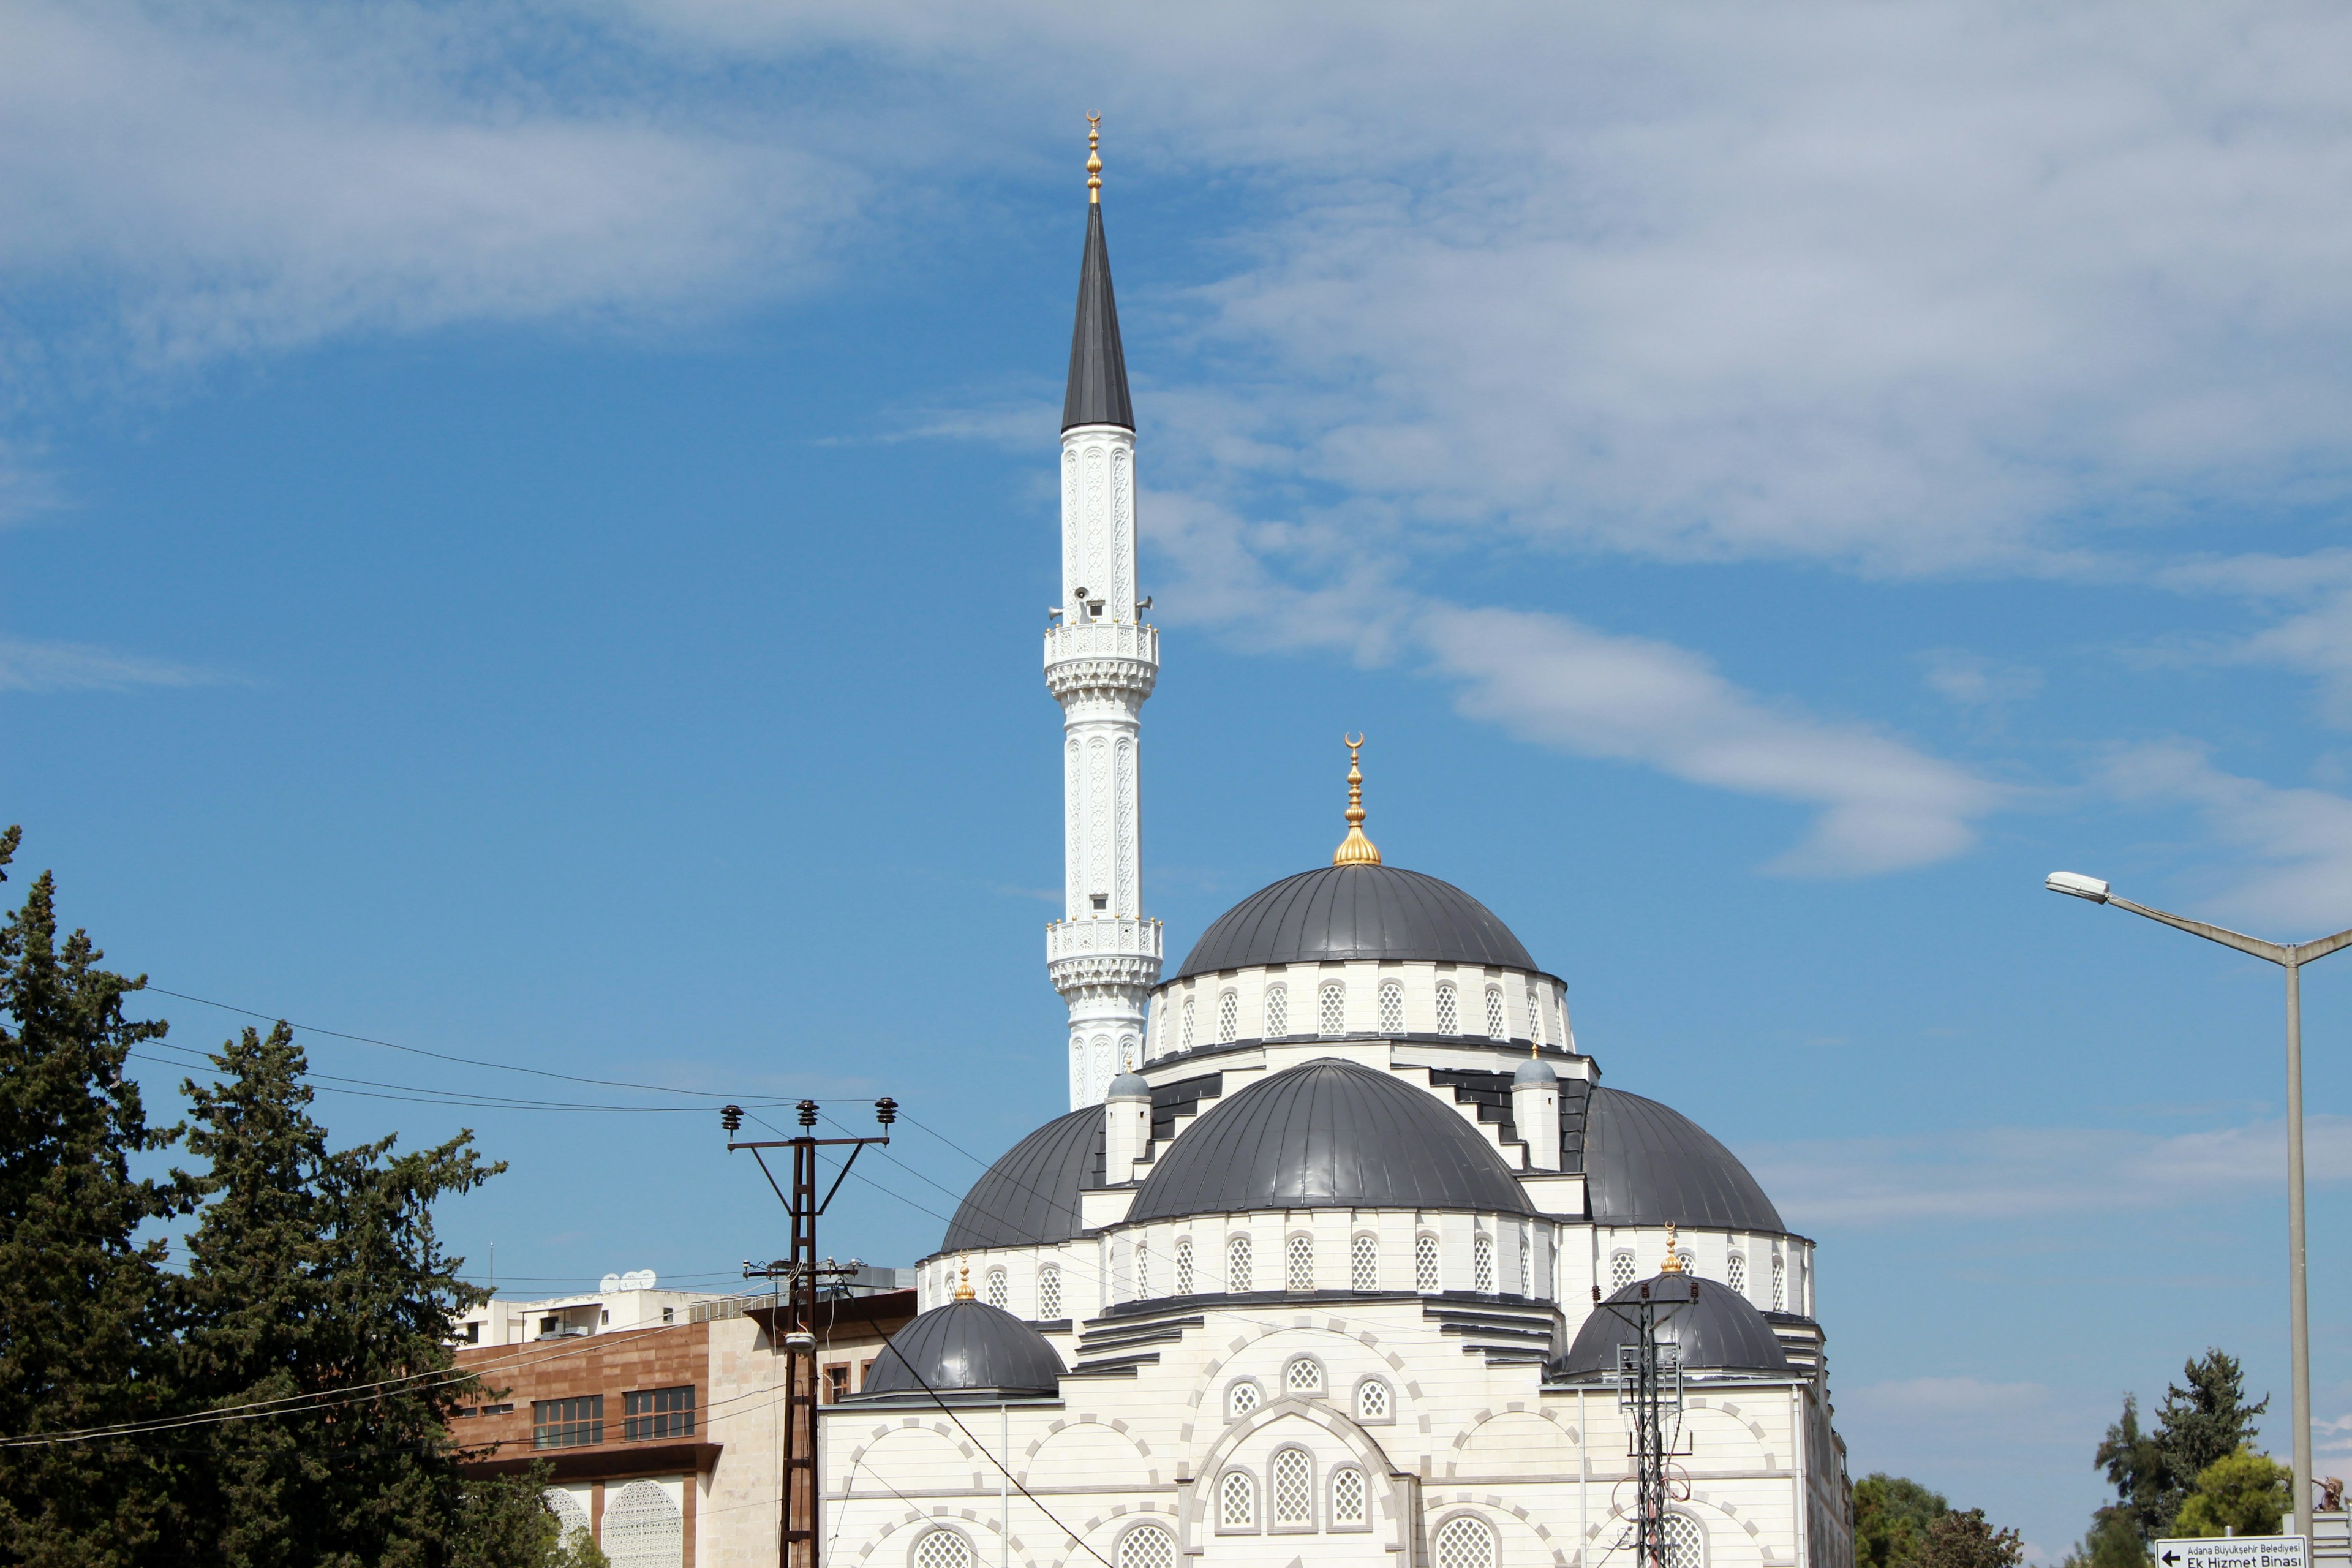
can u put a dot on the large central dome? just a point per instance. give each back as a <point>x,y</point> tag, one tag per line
<point>1355,911</point>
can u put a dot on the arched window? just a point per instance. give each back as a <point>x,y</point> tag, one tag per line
<point>1183,1266</point>
<point>1373,1402</point>
<point>1294,1488</point>
<point>1236,1501</point>
<point>1534,1018</point>
<point>1466,1542</point>
<point>1688,1260</point>
<point>1482,1264</point>
<point>1391,1007</point>
<point>1277,1012</point>
<point>1735,1273</point>
<point>1147,1546</point>
<point>1332,1008</point>
<point>570,1515</point>
<point>1364,1264</point>
<point>1238,1275</point>
<point>1185,1044</point>
<point>1142,1269</point>
<point>1049,1294</point>
<point>1779,1286</point>
<point>1303,1375</point>
<point>1496,1029</point>
<point>1621,1271</point>
<point>1424,1264</point>
<point>1449,1010</point>
<point>1229,1018</point>
<point>1298,1263</point>
<point>1348,1497</point>
<point>1241,1399</point>
<point>943,1549</point>
<point>1686,1544</point>
<point>996,1292</point>
<point>1527,1261</point>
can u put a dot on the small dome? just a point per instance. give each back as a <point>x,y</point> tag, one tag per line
<point>1329,1134</point>
<point>1030,1196</point>
<point>1720,1331</point>
<point>1645,1163</point>
<point>1130,1086</point>
<point>966,1346</point>
<point>1535,1069</point>
<point>1355,911</point>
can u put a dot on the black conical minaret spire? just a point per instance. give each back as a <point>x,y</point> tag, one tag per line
<point>1098,394</point>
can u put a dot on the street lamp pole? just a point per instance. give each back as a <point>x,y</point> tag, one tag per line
<point>2291,957</point>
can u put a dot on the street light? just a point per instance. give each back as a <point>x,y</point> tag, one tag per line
<point>2291,957</point>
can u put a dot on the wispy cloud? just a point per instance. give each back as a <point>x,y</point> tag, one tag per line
<point>29,666</point>
<point>2299,841</point>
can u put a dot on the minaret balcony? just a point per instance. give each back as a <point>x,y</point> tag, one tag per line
<point>1097,655</point>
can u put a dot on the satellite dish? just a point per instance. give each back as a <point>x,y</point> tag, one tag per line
<point>637,1279</point>
<point>610,1283</point>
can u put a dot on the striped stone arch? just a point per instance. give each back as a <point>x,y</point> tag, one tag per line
<point>1366,1450</point>
<point>972,1520</point>
<point>1100,1531</point>
<point>1440,1509</point>
<point>1539,1411</point>
<point>1115,1424</point>
<point>916,1423</point>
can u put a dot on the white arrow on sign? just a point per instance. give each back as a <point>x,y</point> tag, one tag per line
<point>2235,1552</point>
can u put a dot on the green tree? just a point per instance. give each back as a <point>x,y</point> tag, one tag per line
<point>2133,1461</point>
<point>2244,1493</point>
<point>1966,1540</point>
<point>506,1523</point>
<point>85,1318</point>
<point>2206,1422</point>
<point>2114,1543</point>
<point>1892,1517</point>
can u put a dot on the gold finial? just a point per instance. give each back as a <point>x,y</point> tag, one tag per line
<point>963,1283</point>
<point>1355,849</point>
<point>1094,159</point>
<point>1674,1263</point>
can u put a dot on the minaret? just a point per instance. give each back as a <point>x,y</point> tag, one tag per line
<point>1101,661</point>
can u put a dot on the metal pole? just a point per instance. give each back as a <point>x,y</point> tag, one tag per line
<point>2297,1261</point>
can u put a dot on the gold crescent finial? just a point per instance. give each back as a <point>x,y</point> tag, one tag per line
<point>1674,1263</point>
<point>1094,159</point>
<point>964,1284</point>
<point>1355,849</point>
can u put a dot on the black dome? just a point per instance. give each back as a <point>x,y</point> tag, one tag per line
<point>1720,1331</point>
<point>1030,1196</point>
<point>1329,1134</point>
<point>966,1345</point>
<point>1355,911</point>
<point>1645,1163</point>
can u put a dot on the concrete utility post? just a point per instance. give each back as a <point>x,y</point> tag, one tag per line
<point>2291,957</point>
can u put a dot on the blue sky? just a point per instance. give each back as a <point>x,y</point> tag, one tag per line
<point>527,529</point>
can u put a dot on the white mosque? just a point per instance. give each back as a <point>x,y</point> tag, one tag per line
<point>1309,1270</point>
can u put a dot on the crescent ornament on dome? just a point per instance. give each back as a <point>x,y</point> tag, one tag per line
<point>1355,849</point>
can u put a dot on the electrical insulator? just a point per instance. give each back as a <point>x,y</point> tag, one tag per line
<point>886,1111</point>
<point>808,1112</point>
<point>731,1117</point>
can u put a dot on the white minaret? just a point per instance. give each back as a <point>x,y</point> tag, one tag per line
<point>1101,660</point>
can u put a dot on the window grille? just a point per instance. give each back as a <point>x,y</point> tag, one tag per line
<point>1229,1018</point>
<point>1496,1029</point>
<point>1621,1271</point>
<point>1424,1264</point>
<point>1236,1500</point>
<point>1142,1269</point>
<point>1779,1286</point>
<point>996,1289</point>
<point>1364,1264</point>
<point>1527,1261</point>
<point>1735,1273</point>
<point>1689,1262</point>
<point>1534,1018</point>
<point>1481,1265</point>
<point>1242,1400</point>
<point>1371,1400</point>
<point>666,1412</point>
<point>1684,1546</point>
<point>1332,1000</point>
<point>943,1549</point>
<point>1449,1011</point>
<point>1303,1375</point>
<point>1147,1546</point>
<point>1466,1542</point>
<point>1183,1266</point>
<point>1049,1295</point>
<point>1348,1496</point>
<point>1294,1488</point>
<point>1237,1265</point>
<point>1299,1256</point>
<point>567,1423</point>
<point>1391,1008</point>
<point>1277,1012</point>
<point>1186,1043</point>
<point>570,1515</point>
<point>642,1528</point>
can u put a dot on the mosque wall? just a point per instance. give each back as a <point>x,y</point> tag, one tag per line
<point>1371,997</point>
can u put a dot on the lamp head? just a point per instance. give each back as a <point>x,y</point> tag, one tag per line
<point>2075,885</point>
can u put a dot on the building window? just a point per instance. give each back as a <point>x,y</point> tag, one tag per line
<point>836,1382</point>
<point>1303,1375</point>
<point>1449,1011</point>
<point>1183,1266</point>
<point>1293,1489</point>
<point>1779,1286</point>
<point>943,1549</point>
<point>1348,1496</point>
<point>1466,1542</point>
<point>567,1423</point>
<point>997,1294</point>
<point>1685,1546</point>
<point>1142,1269</point>
<point>1527,1261</point>
<point>1186,1043</point>
<point>1424,1264</point>
<point>1371,1400</point>
<point>1147,1546</point>
<point>1242,1399</point>
<point>1734,1272</point>
<point>666,1412</point>
<point>1229,1018</point>
<point>1621,1271</point>
<point>641,1524</point>
<point>1534,1018</point>
<point>474,1334</point>
<point>1481,1265</point>
<point>1688,1261</point>
<point>1496,1029</point>
<point>1332,1005</point>
<point>1236,1501</point>
<point>1237,1265</point>
<point>1391,1007</point>
<point>1049,1294</point>
<point>1298,1263</point>
<point>1277,1012</point>
<point>1364,1264</point>
<point>570,1517</point>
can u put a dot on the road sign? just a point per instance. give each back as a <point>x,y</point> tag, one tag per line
<point>2235,1552</point>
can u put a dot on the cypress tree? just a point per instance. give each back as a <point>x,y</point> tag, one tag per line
<point>2198,1425</point>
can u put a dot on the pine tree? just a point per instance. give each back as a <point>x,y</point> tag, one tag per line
<point>2244,1493</point>
<point>2200,1426</point>
<point>85,1318</point>
<point>2135,1463</point>
<point>1966,1541</point>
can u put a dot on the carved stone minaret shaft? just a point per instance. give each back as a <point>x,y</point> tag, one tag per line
<point>1101,660</point>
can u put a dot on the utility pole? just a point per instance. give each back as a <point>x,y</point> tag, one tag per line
<point>797,1524</point>
<point>1650,1392</point>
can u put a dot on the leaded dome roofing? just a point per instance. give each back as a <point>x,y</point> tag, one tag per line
<point>1720,1331</point>
<point>1647,1164</point>
<point>1355,911</point>
<point>966,1346</point>
<point>1329,1134</point>
<point>1030,1196</point>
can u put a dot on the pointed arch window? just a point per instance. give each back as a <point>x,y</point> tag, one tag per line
<point>1364,1264</point>
<point>1449,1009</point>
<point>1331,1008</point>
<point>1621,1271</point>
<point>1424,1264</point>
<point>1277,1012</point>
<point>1526,1260</point>
<point>1779,1285</point>
<point>996,1290</point>
<point>1049,1294</point>
<point>1294,1488</point>
<point>1535,1017</point>
<point>1185,1043</point>
<point>1391,1007</point>
<point>1496,1029</point>
<point>1183,1266</point>
<point>1298,1263</point>
<point>1348,1496</point>
<point>1239,1275</point>
<point>1142,1269</point>
<point>1229,1018</point>
<point>1734,1272</point>
<point>1482,1264</point>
